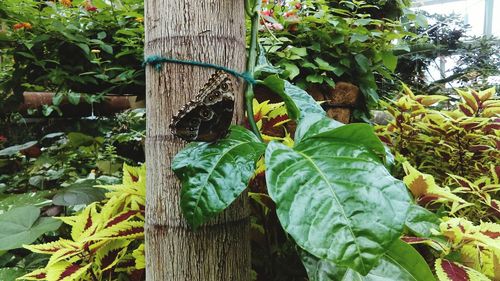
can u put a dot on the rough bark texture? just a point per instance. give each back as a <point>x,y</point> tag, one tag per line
<point>208,31</point>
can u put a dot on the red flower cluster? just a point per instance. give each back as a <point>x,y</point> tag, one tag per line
<point>3,138</point>
<point>66,3</point>
<point>22,25</point>
<point>89,7</point>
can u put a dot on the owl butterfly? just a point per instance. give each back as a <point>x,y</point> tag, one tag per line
<point>208,116</point>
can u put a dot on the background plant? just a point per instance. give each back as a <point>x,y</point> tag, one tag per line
<point>105,237</point>
<point>321,42</point>
<point>450,164</point>
<point>83,46</point>
<point>55,175</point>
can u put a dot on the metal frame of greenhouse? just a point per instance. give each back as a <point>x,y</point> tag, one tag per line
<point>488,11</point>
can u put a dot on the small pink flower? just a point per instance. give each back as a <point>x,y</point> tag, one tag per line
<point>3,139</point>
<point>268,13</point>
<point>277,26</point>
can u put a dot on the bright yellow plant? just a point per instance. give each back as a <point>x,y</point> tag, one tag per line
<point>106,237</point>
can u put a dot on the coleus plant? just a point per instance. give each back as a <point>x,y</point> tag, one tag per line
<point>473,249</point>
<point>462,140</point>
<point>106,237</point>
<point>458,147</point>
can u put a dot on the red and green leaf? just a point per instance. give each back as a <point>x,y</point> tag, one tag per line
<point>451,271</point>
<point>38,274</point>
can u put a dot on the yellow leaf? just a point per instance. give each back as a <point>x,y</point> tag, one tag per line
<point>66,271</point>
<point>139,256</point>
<point>52,247</point>
<point>487,94</point>
<point>38,274</point>
<point>421,184</point>
<point>430,99</point>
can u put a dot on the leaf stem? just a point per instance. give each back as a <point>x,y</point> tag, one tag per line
<point>252,60</point>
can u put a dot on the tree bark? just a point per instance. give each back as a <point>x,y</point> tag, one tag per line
<point>207,31</point>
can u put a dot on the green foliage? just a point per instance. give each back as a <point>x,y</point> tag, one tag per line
<point>214,175</point>
<point>321,42</point>
<point>83,46</point>
<point>56,175</point>
<point>332,192</point>
<point>400,262</point>
<point>23,225</point>
<point>318,185</point>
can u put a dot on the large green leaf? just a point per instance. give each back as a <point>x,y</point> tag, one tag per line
<point>79,193</point>
<point>322,127</point>
<point>23,226</point>
<point>298,102</point>
<point>313,125</point>
<point>420,221</point>
<point>214,174</point>
<point>401,262</point>
<point>336,199</point>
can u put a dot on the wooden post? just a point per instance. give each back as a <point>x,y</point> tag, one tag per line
<point>207,31</point>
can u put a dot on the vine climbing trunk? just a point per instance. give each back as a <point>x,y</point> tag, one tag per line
<point>207,31</point>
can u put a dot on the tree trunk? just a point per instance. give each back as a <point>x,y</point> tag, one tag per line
<point>207,31</point>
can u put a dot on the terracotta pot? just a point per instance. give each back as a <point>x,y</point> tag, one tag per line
<point>111,104</point>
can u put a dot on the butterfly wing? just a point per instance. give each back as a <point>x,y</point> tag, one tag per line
<point>207,117</point>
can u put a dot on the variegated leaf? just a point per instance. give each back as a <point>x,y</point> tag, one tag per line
<point>38,274</point>
<point>450,271</point>
<point>66,271</point>
<point>111,253</point>
<point>122,230</point>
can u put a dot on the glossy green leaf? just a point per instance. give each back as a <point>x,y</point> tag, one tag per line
<point>358,133</point>
<point>292,70</point>
<point>420,221</point>
<point>323,65</point>
<point>298,102</point>
<point>57,98</point>
<point>389,60</point>
<point>213,175</point>
<point>401,262</point>
<point>74,98</point>
<point>314,124</point>
<point>336,199</point>
<point>23,226</point>
<point>363,62</point>
<point>84,47</point>
<point>315,78</point>
<point>323,127</point>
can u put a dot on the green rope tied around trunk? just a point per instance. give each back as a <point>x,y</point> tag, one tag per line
<point>157,61</point>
